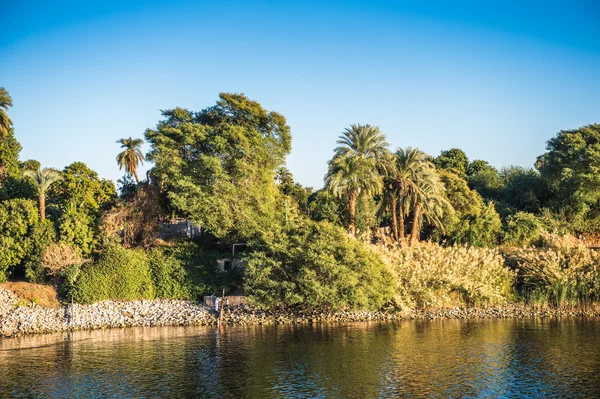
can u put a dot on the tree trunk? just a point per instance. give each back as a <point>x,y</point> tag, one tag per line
<point>137,180</point>
<point>352,197</point>
<point>42,207</point>
<point>416,230</point>
<point>402,232</point>
<point>394,205</point>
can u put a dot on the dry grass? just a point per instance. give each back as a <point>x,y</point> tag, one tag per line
<point>563,273</point>
<point>42,294</point>
<point>429,275</point>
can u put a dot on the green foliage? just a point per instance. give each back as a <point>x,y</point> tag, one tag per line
<point>315,266</point>
<point>323,206</point>
<point>120,274</point>
<point>522,230</point>
<point>5,104</point>
<point>69,274</point>
<point>17,220</point>
<point>217,165</point>
<point>524,189</point>
<point>9,156</point>
<point>83,188</point>
<point>42,235</point>
<point>431,275</point>
<point>454,160</point>
<point>169,275</point>
<point>571,166</point>
<point>76,228</point>
<point>480,230</point>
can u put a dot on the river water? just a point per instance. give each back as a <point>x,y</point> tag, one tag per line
<point>525,358</point>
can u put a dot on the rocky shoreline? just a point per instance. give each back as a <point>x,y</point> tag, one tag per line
<point>19,318</point>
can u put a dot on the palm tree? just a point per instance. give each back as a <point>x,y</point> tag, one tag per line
<point>429,202</point>
<point>5,103</point>
<point>413,185</point>
<point>131,156</point>
<point>362,141</point>
<point>404,170</point>
<point>355,165</point>
<point>350,177</point>
<point>43,179</point>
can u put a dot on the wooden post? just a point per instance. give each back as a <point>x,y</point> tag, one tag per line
<point>221,310</point>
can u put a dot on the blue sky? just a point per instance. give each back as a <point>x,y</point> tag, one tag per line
<point>495,78</point>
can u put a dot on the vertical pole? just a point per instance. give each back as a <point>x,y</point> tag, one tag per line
<point>221,310</point>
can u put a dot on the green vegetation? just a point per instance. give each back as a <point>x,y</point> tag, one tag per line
<point>392,228</point>
<point>316,266</point>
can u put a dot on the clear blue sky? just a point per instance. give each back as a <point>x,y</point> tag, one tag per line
<point>495,78</point>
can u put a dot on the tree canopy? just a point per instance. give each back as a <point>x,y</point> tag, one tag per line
<point>217,166</point>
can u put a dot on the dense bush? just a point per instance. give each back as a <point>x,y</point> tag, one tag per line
<point>521,230</point>
<point>120,273</point>
<point>316,266</point>
<point>17,220</point>
<point>42,235</point>
<point>432,275</point>
<point>170,277</point>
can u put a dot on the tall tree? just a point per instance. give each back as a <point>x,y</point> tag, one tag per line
<point>5,104</point>
<point>571,166</point>
<point>355,166</point>
<point>43,179</point>
<point>217,166</point>
<point>131,156</point>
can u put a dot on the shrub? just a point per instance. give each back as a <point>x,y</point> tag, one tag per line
<point>42,235</point>
<point>120,274</point>
<point>522,230</point>
<point>17,220</point>
<point>430,275</point>
<point>169,274</point>
<point>315,266</point>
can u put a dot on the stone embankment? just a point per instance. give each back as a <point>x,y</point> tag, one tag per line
<point>19,318</point>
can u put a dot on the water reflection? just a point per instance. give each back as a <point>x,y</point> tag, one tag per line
<point>451,358</point>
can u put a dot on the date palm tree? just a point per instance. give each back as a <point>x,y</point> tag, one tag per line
<point>354,169</point>
<point>350,177</point>
<point>5,104</point>
<point>43,179</point>
<point>131,156</point>
<point>413,185</point>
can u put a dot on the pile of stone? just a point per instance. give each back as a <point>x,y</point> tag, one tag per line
<point>19,317</point>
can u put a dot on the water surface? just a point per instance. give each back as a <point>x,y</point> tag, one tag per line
<point>435,359</point>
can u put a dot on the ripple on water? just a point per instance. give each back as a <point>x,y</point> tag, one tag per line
<point>434,359</point>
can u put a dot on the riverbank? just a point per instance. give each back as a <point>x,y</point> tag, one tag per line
<point>21,318</point>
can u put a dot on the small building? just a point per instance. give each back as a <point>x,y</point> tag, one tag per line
<point>177,228</point>
<point>229,264</point>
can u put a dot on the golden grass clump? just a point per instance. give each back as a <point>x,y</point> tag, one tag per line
<point>565,272</point>
<point>430,275</point>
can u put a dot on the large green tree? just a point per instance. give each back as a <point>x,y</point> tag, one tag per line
<point>356,166</point>
<point>217,166</point>
<point>42,180</point>
<point>571,166</point>
<point>131,156</point>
